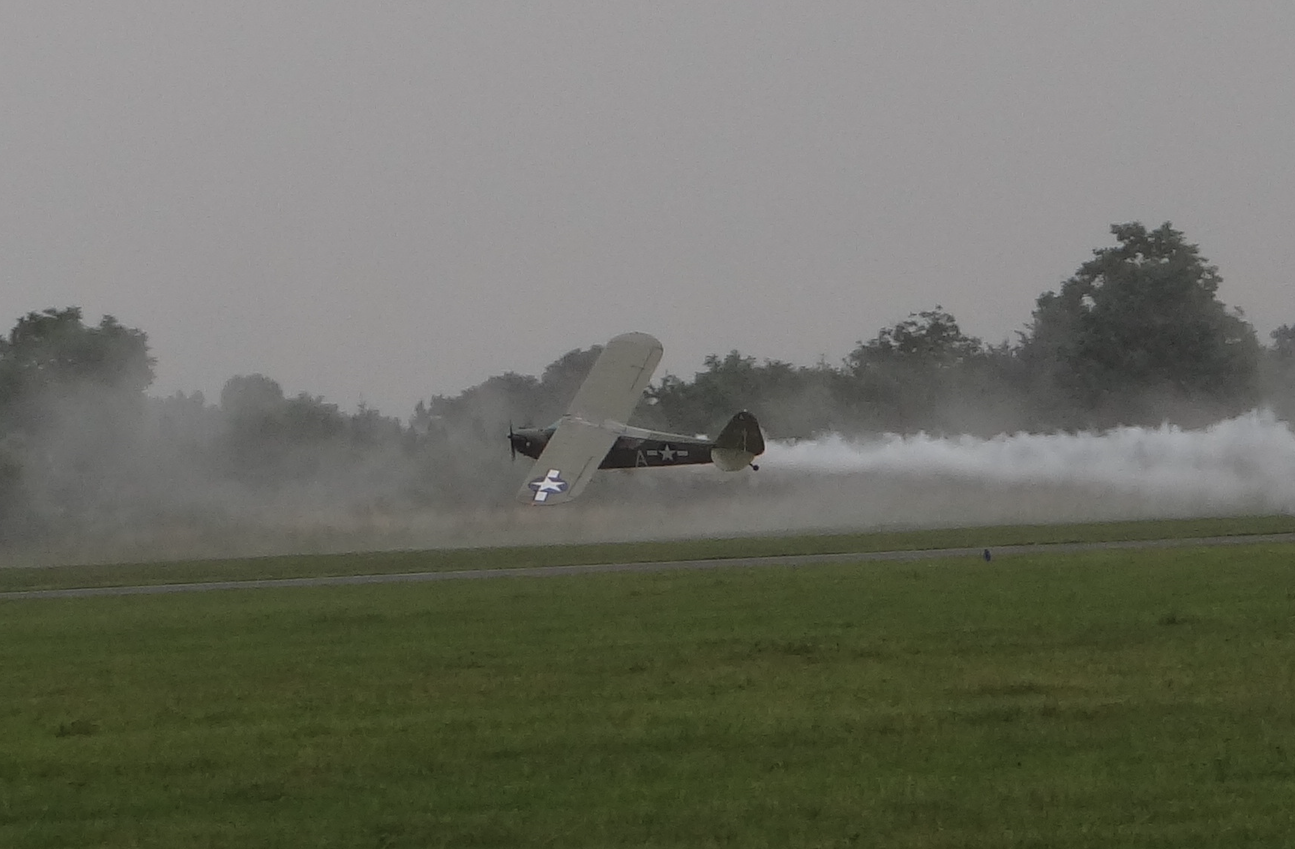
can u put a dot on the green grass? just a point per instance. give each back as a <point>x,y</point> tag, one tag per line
<point>1110,698</point>
<point>294,566</point>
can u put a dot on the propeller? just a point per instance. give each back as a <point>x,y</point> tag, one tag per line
<point>512,446</point>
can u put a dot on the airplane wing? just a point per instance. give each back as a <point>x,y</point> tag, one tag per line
<point>595,418</point>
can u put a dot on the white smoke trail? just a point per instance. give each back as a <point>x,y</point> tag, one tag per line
<point>1239,464</point>
<point>1242,466</point>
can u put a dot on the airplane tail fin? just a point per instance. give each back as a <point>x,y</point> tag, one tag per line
<point>738,443</point>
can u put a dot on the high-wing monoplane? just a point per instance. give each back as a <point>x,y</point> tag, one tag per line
<point>593,433</point>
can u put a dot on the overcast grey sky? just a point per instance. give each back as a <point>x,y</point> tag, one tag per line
<point>387,201</point>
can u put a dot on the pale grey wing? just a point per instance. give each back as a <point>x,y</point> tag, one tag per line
<point>597,415</point>
<point>567,463</point>
<point>615,384</point>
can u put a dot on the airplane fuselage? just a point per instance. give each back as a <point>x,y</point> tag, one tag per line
<point>628,452</point>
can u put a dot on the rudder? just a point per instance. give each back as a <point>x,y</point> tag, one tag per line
<point>738,443</point>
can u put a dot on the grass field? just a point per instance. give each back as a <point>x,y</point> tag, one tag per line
<point>387,562</point>
<point>1109,698</point>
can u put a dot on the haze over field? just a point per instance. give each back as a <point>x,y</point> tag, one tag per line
<point>1242,466</point>
<point>387,202</point>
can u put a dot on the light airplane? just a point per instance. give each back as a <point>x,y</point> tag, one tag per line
<point>592,434</point>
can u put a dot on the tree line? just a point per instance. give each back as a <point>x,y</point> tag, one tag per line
<point>1136,336</point>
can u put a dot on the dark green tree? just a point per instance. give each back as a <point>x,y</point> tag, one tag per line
<point>485,410</point>
<point>1138,325</point>
<point>251,396</point>
<point>1284,343</point>
<point>789,401</point>
<point>11,497</point>
<point>560,381</point>
<point>926,340</point>
<point>1279,373</point>
<point>52,353</point>
<point>268,435</point>
<point>905,377</point>
<point>71,405</point>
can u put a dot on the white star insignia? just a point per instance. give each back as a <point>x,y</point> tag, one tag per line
<point>667,454</point>
<point>551,482</point>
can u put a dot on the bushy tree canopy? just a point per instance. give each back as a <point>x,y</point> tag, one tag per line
<point>929,340</point>
<point>1142,317</point>
<point>52,352</point>
<point>1284,343</point>
<point>70,396</point>
<point>905,376</point>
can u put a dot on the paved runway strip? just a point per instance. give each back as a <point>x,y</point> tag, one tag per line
<point>787,560</point>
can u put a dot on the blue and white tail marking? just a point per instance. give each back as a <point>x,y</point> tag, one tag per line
<point>552,482</point>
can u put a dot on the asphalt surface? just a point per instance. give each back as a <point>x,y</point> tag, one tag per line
<point>790,560</point>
